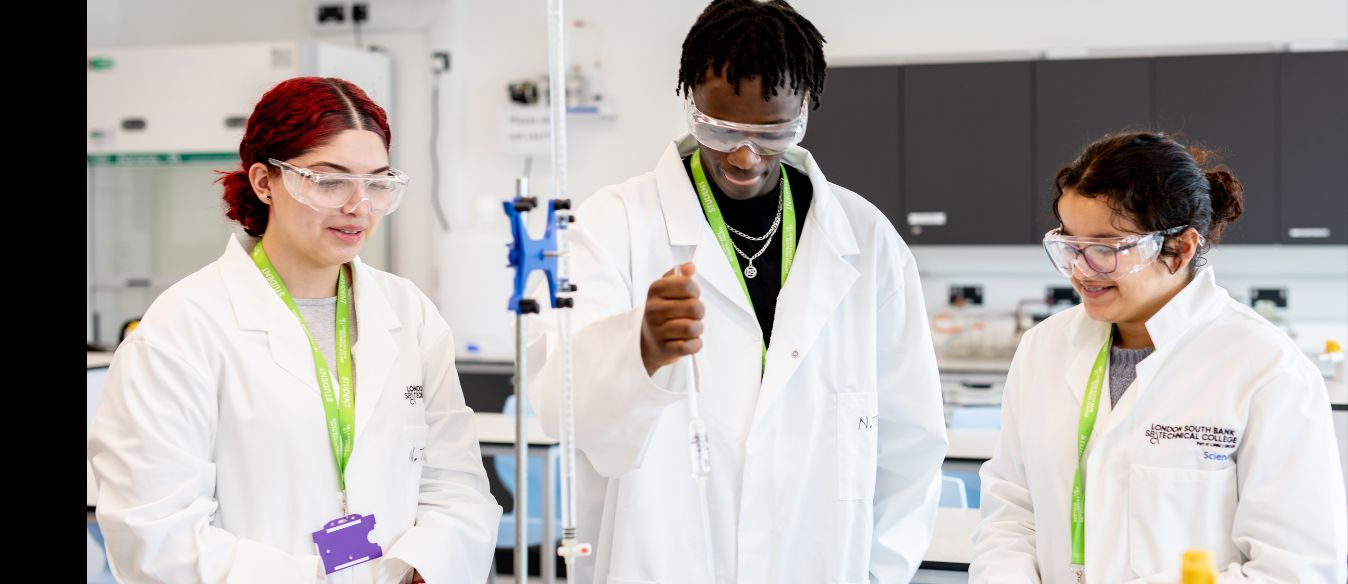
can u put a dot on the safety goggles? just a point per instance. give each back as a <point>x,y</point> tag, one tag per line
<point>334,190</point>
<point>1104,258</point>
<point>763,139</point>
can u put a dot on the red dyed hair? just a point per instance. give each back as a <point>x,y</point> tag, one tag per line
<point>296,116</point>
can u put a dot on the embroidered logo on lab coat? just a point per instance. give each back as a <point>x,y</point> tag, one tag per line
<point>1205,436</point>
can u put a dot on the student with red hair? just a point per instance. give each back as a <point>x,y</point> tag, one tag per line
<point>250,430</point>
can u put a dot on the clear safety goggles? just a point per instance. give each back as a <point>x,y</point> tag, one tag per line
<point>334,190</point>
<point>1104,258</point>
<point>763,139</point>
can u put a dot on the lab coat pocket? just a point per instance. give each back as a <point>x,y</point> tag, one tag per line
<point>1175,509</point>
<point>858,421</point>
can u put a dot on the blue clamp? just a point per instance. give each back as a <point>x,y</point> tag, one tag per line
<point>528,254</point>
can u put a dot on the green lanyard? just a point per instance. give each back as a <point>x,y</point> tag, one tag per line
<point>718,227</point>
<point>1089,406</point>
<point>341,416</point>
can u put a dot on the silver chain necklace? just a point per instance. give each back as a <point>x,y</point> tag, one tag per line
<point>750,271</point>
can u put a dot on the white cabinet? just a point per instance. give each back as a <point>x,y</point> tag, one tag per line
<point>196,98</point>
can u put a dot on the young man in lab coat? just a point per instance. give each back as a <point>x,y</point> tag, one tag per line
<point>800,319</point>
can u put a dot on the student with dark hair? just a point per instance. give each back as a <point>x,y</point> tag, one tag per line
<point>799,319</point>
<point>1160,415</point>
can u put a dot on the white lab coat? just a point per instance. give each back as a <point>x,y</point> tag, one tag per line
<point>1263,493</point>
<point>824,470</point>
<point>212,458</point>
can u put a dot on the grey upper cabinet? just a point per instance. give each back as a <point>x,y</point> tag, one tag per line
<point>854,135</point>
<point>1313,147</point>
<point>966,149</point>
<point>1228,104</point>
<point>967,153</point>
<point>1075,103</point>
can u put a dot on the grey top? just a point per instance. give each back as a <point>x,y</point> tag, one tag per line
<point>1123,370</point>
<point>320,315</point>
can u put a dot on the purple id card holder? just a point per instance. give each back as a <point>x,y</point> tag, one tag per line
<point>345,542</point>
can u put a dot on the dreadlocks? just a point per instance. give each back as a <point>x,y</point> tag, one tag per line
<point>751,38</point>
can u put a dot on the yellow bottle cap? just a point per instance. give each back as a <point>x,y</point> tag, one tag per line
<point>1198,568</point>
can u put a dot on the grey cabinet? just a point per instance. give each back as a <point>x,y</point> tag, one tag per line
<point>1075,103</point>
<point>854,135</point>
<point>966,153</point>
<point>1228,104</point>
<point>966,136</point>
<point>1313,147</point>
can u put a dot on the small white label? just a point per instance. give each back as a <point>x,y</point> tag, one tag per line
<point>928,218</point>
<point>1308,232</point>
<point>527,130</point>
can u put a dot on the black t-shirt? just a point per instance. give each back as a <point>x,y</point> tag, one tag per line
<point>755,217</point>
